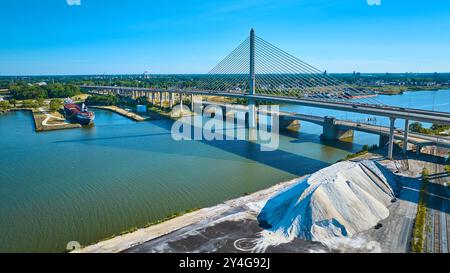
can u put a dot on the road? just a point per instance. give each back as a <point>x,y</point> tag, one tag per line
<point>438,210</point>
<point>414,138</point>
<point>377,110</point>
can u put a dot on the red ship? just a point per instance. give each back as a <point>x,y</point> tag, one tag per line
<point>79,114</point>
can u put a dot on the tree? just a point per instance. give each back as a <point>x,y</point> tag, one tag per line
<point>29,104</point>
<point>13,102</point>
<point>4,105</point>
<point>55,104</point>
<point>40,101</point>
<point>417,127</point>
<point>102,100</point>
<point>141,100</point>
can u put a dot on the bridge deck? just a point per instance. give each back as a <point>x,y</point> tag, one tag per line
<point>377,110</point>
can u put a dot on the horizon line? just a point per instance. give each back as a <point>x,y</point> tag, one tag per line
<point>199,74</point>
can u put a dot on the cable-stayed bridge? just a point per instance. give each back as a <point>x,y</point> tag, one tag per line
<point>259,71</point>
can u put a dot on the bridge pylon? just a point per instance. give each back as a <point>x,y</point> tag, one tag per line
<point>252,83</point>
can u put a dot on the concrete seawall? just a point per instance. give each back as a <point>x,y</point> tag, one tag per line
<point>121,112</point>
<point>39,118</point>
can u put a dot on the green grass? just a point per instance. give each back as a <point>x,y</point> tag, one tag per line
<point>365,149</point>
<point>417,241</point>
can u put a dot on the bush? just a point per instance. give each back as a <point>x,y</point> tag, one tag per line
<point>419,225</point>
<point>55,104</point>
<point>102,100</point>
<point>4,105</point>
<point>435,129</point>
<point>40,101</point>
<point>30,104</point>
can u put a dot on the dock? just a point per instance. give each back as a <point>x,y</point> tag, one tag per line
<point>122,112</point>
<point>46,122</point>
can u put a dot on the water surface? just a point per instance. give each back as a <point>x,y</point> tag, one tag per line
<point>88,184</point>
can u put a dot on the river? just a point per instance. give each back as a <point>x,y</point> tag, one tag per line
<point>87,184</point>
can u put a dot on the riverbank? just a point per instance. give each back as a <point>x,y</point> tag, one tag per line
<point>198,217</point>
<point>234,225</point>
<point>122,112</point>
<point>397,90</point>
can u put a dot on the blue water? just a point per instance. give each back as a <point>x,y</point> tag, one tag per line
<point>88,184</point>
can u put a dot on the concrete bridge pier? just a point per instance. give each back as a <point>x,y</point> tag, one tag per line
<point>171,100</point>
<point>405,138</point>
<point>383,141</point>
<point>289,123</point>
<point>152,94</point>
<point>418,149</point>
<point>331,131</point>
<point>251,114</point>
<point>161,100</point>
<point>391,138</point>
<point>181,100</point>
<point>192,102</point>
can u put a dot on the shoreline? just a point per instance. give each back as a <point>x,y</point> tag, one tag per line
<point>141,235</point>
<point>41,117</point>
<point>202,218</point>
<point>121,112</point>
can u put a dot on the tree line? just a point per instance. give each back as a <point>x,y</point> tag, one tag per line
<point>24,90</point>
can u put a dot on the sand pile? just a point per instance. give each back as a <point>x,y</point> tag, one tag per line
<point>330,205</point>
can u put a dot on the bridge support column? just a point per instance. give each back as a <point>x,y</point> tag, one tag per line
<point>153,98</point>
<point>331,131</point>
<point>161,100</point>
<point>171,99</point>
<point>391,139</point>
<point>289,123</point>
<point>405,138</point>
<point>192,102</point>
<point>418,149</point>
<point>383,141</point>
<point>251,114</point>
<point>181,103</point>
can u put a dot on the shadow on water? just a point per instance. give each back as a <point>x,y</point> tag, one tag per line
<point>282,160</point>
<point>109,138</point>
<point>286,161</point>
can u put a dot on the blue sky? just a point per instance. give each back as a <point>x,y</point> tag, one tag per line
<point>179,36</point>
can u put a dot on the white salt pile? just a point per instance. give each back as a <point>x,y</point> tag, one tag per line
<point>329,206</point>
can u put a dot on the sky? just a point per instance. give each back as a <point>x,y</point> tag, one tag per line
<point>61,37</point>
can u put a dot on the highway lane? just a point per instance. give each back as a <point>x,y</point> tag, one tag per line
<point>414,138</point>
<point>438,204</point>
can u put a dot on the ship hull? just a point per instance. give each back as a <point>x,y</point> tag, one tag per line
<point>73,113</point>
<point>84,121</point>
